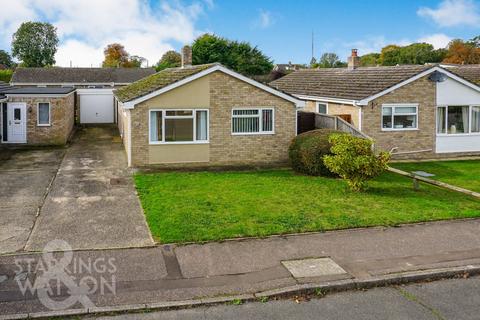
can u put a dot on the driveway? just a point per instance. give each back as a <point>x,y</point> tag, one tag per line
<point>24,179</point>
<point>92,202</point>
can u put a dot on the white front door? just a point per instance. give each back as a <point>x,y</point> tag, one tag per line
<point>17,122</point>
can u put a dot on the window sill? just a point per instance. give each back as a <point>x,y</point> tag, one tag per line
<point>152,143</point>
<point>405,129</point>
<point>458,134</point>
<point>253,134</point>
<point>44,125</point>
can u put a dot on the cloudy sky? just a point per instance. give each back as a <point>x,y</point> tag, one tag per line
<point>281,28</point>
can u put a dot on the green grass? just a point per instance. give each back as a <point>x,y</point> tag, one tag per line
<point>202,206</point>
<point>462,173</point>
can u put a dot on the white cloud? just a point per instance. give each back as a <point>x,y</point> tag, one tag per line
<point>453,13</point>
<point>438,40</point>
<point>264,20</point>
<point>86,27</point>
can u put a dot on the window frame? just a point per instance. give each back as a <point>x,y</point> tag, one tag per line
<point>49,124</point>
<point>260,119</point>
<point>324,103</point>
<point>193,117</point>
<point>446,134</point>
<point>393,105</point>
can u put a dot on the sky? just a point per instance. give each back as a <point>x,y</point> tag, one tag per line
<point>281,29</point>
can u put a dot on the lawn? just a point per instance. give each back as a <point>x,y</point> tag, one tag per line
<point>202,206</point>
<point>464,173</point>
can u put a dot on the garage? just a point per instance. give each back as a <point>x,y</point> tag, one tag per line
<point>96,105</point>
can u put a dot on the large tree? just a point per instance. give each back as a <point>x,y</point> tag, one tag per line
<point>415,53</point>
<point>6,59</point>
<point>170,59</point>
<point>35,44</point>
<point>370,60</point>
<point>239,56</point>
<point>462,52</point>
<point>117,57</point>
<point>329,60</point>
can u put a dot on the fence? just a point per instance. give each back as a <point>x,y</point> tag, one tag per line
<point>308,121</point>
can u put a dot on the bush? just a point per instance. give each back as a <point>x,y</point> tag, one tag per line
<point>6,75</point>
<point>307,150</point>
<point>354,160</point>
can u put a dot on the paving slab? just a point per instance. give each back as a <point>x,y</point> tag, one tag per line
<point>92,203</point>
<point>304,268</point>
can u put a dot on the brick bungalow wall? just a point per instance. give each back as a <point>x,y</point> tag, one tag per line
<point>61,120</point>
<point>226,93</point>
<point>336,109</point>
<point>421,92</point>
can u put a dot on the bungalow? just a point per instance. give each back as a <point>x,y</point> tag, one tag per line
<point>41,105</point>
<point>419,111</point>
<point>204,115</point>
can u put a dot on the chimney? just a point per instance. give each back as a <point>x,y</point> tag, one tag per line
<point>354,60</point>
<point>186,56</point>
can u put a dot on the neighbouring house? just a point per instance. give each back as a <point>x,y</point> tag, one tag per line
<point>41,105</point>
<point>205,115</point>
<point>288,67</point>
<point>420,111</point>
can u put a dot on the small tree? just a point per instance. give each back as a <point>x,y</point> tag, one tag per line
<point>170,59</point>
<point>329,60</point>
<point>35,44</point>
<point>354,160</point>
<point>5,59</point>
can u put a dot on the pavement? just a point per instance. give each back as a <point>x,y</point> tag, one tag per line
<point>448,299</point>
<point>83,194</point>
<point>179,276</point>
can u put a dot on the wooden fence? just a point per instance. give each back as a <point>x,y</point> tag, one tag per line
<point>308,121</point>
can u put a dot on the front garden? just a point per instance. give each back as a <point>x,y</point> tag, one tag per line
<point>201,206</point>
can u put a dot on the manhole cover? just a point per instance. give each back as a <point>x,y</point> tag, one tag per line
<point>317,267</point>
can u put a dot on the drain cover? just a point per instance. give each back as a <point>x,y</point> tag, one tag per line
<point>317,267</point>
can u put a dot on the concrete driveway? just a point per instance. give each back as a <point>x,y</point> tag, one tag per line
<point>92,202</point>
<point>24,180</point>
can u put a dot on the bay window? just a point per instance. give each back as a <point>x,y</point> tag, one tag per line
<point>178,126</point>
<point>399,117</point>
<point>253,121</point>
<point>458,119</point>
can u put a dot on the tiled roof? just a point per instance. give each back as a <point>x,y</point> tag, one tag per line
<point>79,75</point>
<point>158,81</point>
<point>343,83</point>
<point>468,72</point>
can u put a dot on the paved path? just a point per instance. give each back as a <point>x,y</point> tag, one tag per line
<point>92,202</point>
<point>457,299</point>
<point>168,273</point>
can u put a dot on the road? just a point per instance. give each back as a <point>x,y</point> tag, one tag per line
<point>457,299</point>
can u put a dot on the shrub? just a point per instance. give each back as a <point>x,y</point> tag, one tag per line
<point>6,75</point>
<point>307,150</point>
<point>354,160</point>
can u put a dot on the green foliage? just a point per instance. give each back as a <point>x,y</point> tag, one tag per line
<point>170,59</point>
<point>415,53</point>
<point>354,160</point>
<point>370,60</point>
<point>329,60</point>
<point>6,75</point>
<point>6,59</point>
<point>35,44</point>
<point>238,56</point>
<point>307,150</point>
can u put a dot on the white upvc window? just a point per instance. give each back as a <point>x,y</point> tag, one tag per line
<point>253,121</point>
<point>458,120</point>
<point>399,117</point>
<point>322,107</point>
<point>43,114</point>
<point>178,126</point>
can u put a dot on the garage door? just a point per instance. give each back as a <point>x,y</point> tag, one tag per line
<point>96,105</point>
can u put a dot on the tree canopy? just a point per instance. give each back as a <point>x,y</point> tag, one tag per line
<point>238,56</point>
<point>329,60</point>
<point>6,59</point>
<point>461,52</point>
<point>415,53</point>
<point>170,59</point>
<point>35,44</point>
<point>116,56</point>
<point>370,60</point>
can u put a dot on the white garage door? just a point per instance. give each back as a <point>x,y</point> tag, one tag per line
<point>96,105</point>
